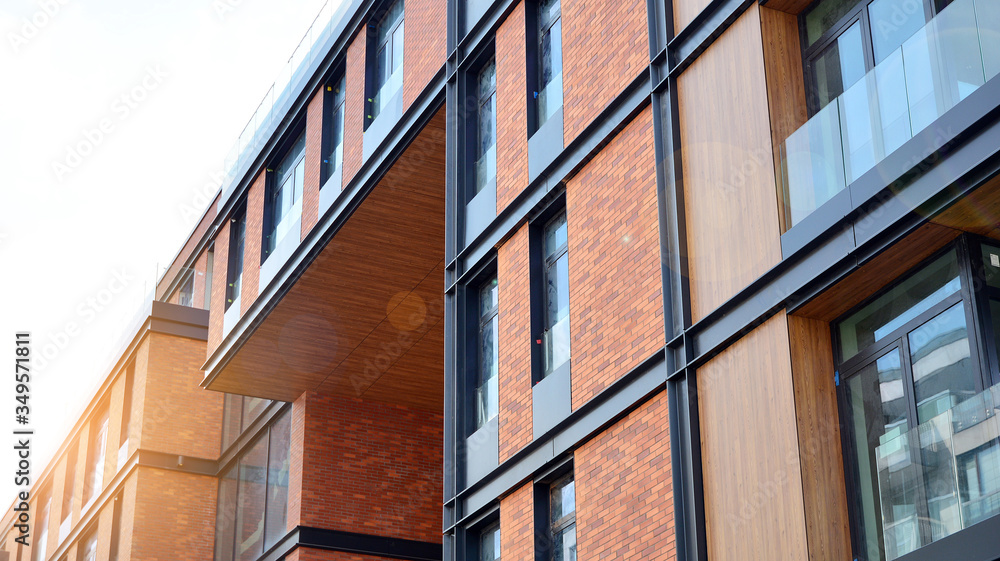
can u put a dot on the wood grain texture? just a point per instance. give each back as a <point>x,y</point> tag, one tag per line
<point>883,269</point>
<point>822,465</point>
<point>750,449</point>
<point>793,7</point>
<point>373,295</point>
<point>978,213</point>
<point>729,186</point>
<point>786,94</point>
<point>685,11</point>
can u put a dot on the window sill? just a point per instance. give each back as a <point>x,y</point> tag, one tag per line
<point>279,256</point>
<point>482,451</point>
<point>379,129</point>
<point>550,400</point>
<point>481,211</point>
<point>545,145</point>
<point>231,317</point>
<point>330,191</point>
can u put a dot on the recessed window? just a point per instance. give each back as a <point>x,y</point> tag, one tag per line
<point>209,272</point>
<point>284,198</point>
<point>549,96</point>
<point>556,337</point>
<point>489,543</point>
<point>238,413</point>
<point>66,510</point>
<point>237,241</point>
<point>96,448</point>
<point>915,398</point>
<point>486,128</point>
<point>42,523</point>
<point>127,403</point>
<point>387,71</point>
<point>186,296</point>
<point>116,528</point>
<point>88,546</point>
<point>252,509</point>
<point>333,158</point>
<point>487,387</point>
<point>562,520</point>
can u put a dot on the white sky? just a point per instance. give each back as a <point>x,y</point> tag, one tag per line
<point>125,205</point>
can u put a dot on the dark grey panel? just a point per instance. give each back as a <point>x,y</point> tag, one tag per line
<point>382,125</point>
<point>545,145</point>
<point>482,451</point>
<point>550,401</point>
<point>473,11</point>
<point>330,191</point>
<point>277,259</point>
<point>481,210</point>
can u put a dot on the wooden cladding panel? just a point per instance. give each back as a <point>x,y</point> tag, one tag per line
<point>685,11</point>
<point>786,94</point>
<point>750,450</point>
<point>729,186</point>
<point>817,418</point>
<point>387,256</point>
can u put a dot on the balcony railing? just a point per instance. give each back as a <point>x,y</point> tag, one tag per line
<point>556,345</point>
<point>255,133</point>
<point>941,477</point>
<point>940,65</point>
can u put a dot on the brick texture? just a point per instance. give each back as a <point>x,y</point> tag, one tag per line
<point>517,525</point>
<point>512,109</point>
<point>605,46</point>
<point>616,304</point>
<point>370,467</point>
<point>179,417</point>
<point>624,495</point>
<point>423,45</point>
<point>174,516</point>
<point>354,106</point>
<point>218,306</point>
<point>314,146</point>
<point>515,344</point>
<point>252,242</point>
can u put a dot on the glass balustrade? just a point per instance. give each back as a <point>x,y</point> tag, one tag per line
<point>942,476</point>
<point>937,67</point>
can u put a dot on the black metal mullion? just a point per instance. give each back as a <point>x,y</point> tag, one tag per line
<point>974,325</point>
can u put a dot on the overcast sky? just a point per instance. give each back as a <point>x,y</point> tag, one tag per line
<point>114,117</point>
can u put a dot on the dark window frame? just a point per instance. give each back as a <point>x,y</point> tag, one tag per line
<point>484,320</point>
<point>533,37</point>
<point>372,85</point>
<point>974,296</point>
<point>186,290</point>
<point>545,527</point>
<point>234,268</point>
<point>334,113</point>
<point>538,278</point>
<point>269,229</point>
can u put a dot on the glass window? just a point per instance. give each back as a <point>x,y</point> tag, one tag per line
<point>225,516</point>
<point>334,158</point>
<point>68,486</point>
<point>549,95</point>
<point>278,462</point>
<point>388,59</point>
<point>487,388</point>
<point>116,528</point>
<point>237,237</point>
<point>892,22</point>
<point>489,543</point>
<point>556,339</point>
<point>917,406</point>
<point>838,67</point>
<point>250,502</point>
<point>285,198</point>
<point>42,524</point>
<point>232,416</point>
<point>209,271</point>
<point>486,152</point>
<point>96,449</point>
<point>186,296</point>
<point>88,547</point>
<point>562,519</point>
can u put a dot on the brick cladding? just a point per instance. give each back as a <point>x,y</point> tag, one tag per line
<point>174,515</point>
<point>190,244</point>
<point>354,105</point>
<point>314,145</point>
<point>179,417</point>
<point>624,495</point>
<point>218,306</point>
<point>370,467</point>
<point>252,242</point>
<point>512,108</point>
<point>424,47</point>
<point>517,525</point>
<point>605,46</point>
<point>515,344</point>
<point>616,305</point>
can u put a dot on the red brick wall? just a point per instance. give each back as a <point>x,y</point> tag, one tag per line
<point>174,516</point>
<point>624,497</point>
<point>314,147</point>
<point>605,46</point>
<point>371,467</point>
<point>515,344</point>
<point>517,525</point>
<point>424,47</point>
<point>354,105</point>
<point>616,304</point>
<point>251,245</point>
<point>189,245</point>
<point>178,416</point>
<point>296,451</point>
<point>512,109</point>
<point>218,307</point>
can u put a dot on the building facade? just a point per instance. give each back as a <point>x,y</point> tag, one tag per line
<point>594,279</point>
